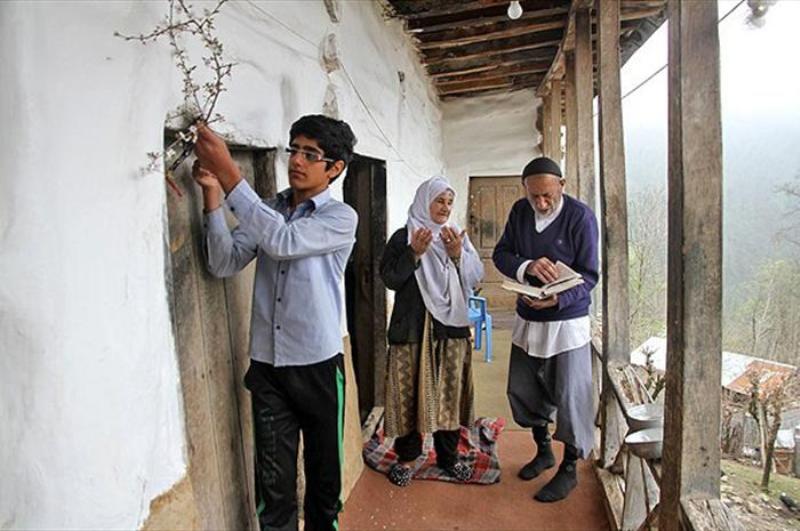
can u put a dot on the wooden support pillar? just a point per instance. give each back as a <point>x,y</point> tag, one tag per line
<point>570,105</point>
<point>584,86</point>
<point>555,121</point>
<point>616,338</point>
<point>546,121</point>
<point>691,466</point>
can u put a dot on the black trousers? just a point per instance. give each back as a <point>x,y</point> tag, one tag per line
<point>287,400</point>
<point>409,447</point>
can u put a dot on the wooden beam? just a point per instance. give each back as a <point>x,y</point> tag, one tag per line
<point>475,5</point>
<point>570,104</point>
<point>614,214</point>
<point>691,466</point>
<point>451,40</point>
<point>471,86</point>
<point>708,515</point>
<point>419,27</point>
<point>584,87</point>
<point>494,74</point>
<point>546,122</point>
<point>517,85</point>
<point>554,141</point>
<point>493,66</point>
<point>481,50</point>
<point>567,43</point>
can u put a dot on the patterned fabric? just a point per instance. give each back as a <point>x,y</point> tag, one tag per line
<point>477,448</point>
<point>429,385</point>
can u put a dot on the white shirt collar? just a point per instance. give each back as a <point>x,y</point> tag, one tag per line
<point>544,221</point>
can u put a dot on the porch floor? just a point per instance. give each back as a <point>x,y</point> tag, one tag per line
<point>375,503</point>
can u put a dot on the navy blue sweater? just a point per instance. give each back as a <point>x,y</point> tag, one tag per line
<point>571,238</point>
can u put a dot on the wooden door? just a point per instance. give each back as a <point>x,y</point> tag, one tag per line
<point>211,324</point>
<point>490,199</point>
<point>365,191</point>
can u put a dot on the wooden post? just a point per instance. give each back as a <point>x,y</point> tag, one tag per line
<point>691,466</point>
<point>616,338</point>
<point>570,105</point>
<point>584,87</point>
<point>546,121</point>
<point>555,121</point>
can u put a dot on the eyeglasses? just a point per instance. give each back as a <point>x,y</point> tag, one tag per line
<point>310,156</point>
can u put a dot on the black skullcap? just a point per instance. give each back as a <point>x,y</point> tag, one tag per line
<point>541,165</point>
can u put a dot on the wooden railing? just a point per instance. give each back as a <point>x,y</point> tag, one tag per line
<point>632,484</point>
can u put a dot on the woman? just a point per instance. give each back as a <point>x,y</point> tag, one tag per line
<point>433,269</point>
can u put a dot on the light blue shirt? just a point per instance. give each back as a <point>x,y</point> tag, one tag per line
<point>302,255</point>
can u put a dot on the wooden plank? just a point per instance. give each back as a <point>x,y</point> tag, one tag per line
<point>635,507</point>
<point>708,515</point>
<point>584,88</point>
<point>491,49</point>
<point>546,111</point>
<point>422,26</point>
<point>554,127</point>
<point>614,495</point>
<point>614,218</point>
<point>469,87</point>
<point>571,112</point>
<point>694,281</point>
<point>451,39</point>
<point>489,64</point>
<point>493,74</point>
<point>474,5</point>
<point>476,8</point>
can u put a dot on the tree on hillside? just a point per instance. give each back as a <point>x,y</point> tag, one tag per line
<point>647,251</point>
<point>770,395</point>
<point>790,231</point>
<point>767,325</point>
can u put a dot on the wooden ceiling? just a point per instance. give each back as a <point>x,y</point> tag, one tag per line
<point>472,47</point>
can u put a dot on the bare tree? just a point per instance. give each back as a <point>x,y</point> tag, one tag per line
<point>771,393</point>
<point>790,232</point>
<point>647,263</point>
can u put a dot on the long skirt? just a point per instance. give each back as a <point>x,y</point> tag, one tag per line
<point>429,385</point>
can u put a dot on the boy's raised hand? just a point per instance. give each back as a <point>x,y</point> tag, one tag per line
<point>214,156</point>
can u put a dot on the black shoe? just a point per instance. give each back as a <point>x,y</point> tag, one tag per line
<point>400,475</point>
<point>561,485</point>
<point>544,459</point>
<point>461,471</point>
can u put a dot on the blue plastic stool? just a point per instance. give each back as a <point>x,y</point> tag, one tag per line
<point>479,317</point>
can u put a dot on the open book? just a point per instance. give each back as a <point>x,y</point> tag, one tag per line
<point>567,278</point>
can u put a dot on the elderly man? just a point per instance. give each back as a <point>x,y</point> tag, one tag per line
<point>550,374</point>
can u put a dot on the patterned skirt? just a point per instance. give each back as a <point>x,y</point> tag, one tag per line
<point>429,385</point>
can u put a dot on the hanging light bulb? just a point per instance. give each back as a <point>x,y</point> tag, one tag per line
<point>514,10</point>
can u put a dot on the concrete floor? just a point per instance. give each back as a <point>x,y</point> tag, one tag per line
<point>431,505</point>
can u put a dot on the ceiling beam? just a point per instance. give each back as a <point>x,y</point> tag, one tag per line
<point>449,41</point>
<point>567,42</point>
<point>470,87</point>
<point>474,5</point>
<point>494,65</point>
<point>551,40</point>
<point>419,27</point>
<point>494,74</point>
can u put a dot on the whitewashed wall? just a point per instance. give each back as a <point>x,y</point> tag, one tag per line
<point>91,426</point>
<point>492,135</point>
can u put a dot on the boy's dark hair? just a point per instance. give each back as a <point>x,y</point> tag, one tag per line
<point>334,137</point>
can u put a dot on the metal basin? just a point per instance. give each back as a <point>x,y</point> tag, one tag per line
<point>645,416</point>
<point>647,444</point>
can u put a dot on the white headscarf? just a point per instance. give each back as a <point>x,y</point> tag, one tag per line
<point>442,291</point>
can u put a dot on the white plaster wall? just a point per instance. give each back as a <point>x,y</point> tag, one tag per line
<point>90,410</point>
<point>492,135</point>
